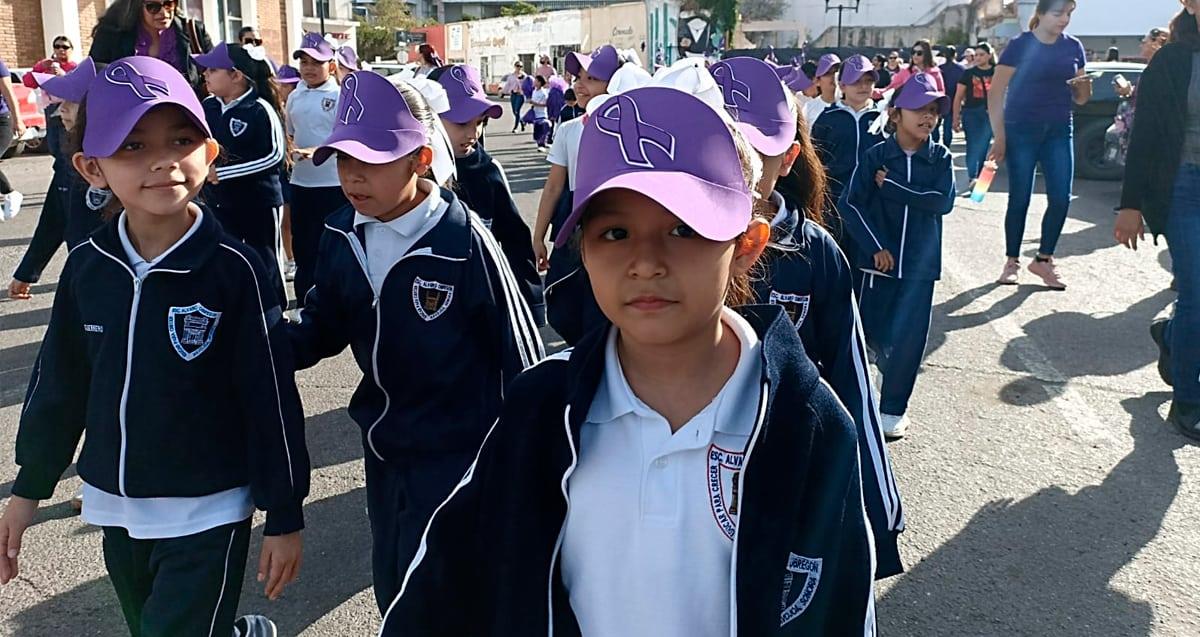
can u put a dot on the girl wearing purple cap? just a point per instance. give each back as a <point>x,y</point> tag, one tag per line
<point>537,103</point>
<point>165,345</point>
<point>893,207</point>
<point>824,88</point>
<point>615,495</point>
<point>418,288</point>
<point>244,115</point>
<point>311,109</point>
<point>1040,77</point>
<point>844,131</point>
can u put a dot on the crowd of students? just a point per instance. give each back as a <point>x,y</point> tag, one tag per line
<point>733,245</point>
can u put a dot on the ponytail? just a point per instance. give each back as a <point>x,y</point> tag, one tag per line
<point>1184,30</point>
<point>1044,7</point>
<point>1033,22</point>
<point>259,74</point>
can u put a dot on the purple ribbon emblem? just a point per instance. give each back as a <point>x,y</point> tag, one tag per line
<point>620,118</point>
<point>350,100</point>
<point>731,87</point>
<point>144,87</point>
<point>460,74</point>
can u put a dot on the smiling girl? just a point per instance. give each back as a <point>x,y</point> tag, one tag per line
<point>165,345</point>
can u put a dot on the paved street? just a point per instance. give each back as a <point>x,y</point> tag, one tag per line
<point>1044,493</point>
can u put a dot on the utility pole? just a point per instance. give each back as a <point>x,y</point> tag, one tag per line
<point>321,15</point>
<point>841,7</point>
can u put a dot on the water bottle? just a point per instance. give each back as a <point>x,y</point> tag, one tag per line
<point>984,182</point>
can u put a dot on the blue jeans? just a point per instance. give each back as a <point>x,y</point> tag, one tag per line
<point>978,129</point>
<point>1183,332</point>
<point>517,101</point>
<point>1051,146</point>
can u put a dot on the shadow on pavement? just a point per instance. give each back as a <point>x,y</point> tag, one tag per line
<point>1070,339</point>
<point>29,318</point>
<point>946,318</point>
<point>1042,565</point>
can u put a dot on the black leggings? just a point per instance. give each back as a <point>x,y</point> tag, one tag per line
<point>6,140</point>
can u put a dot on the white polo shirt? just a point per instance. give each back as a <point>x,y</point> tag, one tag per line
<point>310,116</point>
<point>564,150</point>
<point>648,540</point>
<point>388,241</point>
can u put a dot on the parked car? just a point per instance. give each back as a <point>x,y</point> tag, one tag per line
<point>1094,158</point>
<point>29,101</point>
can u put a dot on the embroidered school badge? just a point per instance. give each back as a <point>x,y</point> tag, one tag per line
<point>430,298</point>
<point>236,126</point>
<point>796,305</point>
<point>799,566</point>
<point>724,475</point>
<point>328,104</point>
<point>191,329</point>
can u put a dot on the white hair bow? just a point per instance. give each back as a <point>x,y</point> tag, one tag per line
<point>443,153</point>
<point>691,76</point>
<point>256,52</point>
<point>626,78</point>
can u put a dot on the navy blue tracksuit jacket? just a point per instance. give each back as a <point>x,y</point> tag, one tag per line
<point>483,188</point>
<point>253,145</point>
<point>488,562</point>
<point>437,345</point>
<point>182,379</point>
<point>905,215</point>
<point>808,275</point>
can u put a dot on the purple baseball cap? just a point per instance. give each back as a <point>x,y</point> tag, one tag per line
<point>755,99</point>
<point>797,81</point>
<point>70,87</point>
<point>373,124</point>
<point>287,74</point>
<point>315,46</point>
<point>919,90</point>
<point>826,64</point>
<point>347,57</point>
<point>217,58</point>
<point>855,67</point>
<point>601,64</point>
<point>467,99</point>
<point>127,90</point>
<point>673,148</point>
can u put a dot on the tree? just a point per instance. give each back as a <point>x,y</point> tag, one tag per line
<point>520,7</point>
<point>377,32</point>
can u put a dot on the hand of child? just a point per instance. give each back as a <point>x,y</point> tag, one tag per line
<point>17,518</point>
<point>19,291</point>
<point>542,255</point>
<point>880,175</point>
<point>279,563</point>
<point>884,261</point>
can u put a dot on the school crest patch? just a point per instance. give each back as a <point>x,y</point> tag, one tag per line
<point>800,582</point>
<point>236,126</point>
<point>431,298</point>
<point>724,476</point>
<point>796,305</point>
<point>191,329</point>
<point>328,103</point>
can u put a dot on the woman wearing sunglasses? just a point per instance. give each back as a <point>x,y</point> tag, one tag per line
<point>155,28</point>
<point>921,61</point>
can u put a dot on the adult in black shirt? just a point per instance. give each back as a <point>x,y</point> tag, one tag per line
<point>971,109</point>
<point>885,76</point>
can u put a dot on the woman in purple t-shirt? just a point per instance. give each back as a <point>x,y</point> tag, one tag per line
<point>1039,78</point>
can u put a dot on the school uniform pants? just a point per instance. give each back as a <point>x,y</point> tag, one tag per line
<point>401,496</point>
<point>49,234</point>
<point>1029,145</point>
<point>1183,330</point>
<point>6,140</point>
<point>310,206</point>
<point>895,315</point>
<point>182,586</point>
<point>541,131</point>
<point>259,227</point>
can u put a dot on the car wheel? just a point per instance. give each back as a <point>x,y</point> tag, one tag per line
<point>14,150</point>
<point>1091,156</point>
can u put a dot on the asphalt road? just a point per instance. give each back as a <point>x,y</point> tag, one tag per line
<point>1044,493</point>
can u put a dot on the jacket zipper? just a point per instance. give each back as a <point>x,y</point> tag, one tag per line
<point>904,228</point>
<point>562,530</point>
<point>360,255</point>
<point>133,308</point>
<point>733,561</point>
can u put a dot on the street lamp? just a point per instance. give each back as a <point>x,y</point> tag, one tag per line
<point>841,7</point>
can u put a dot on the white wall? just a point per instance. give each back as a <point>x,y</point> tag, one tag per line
<point>870,13</point>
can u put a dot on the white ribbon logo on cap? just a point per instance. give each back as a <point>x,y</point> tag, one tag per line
<point>352,104</point>
<point>143,86</point>
<point>620,118</point>
<point>460,74</point>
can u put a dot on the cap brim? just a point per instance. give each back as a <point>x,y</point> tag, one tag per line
<point>110,133</point>
<point>314,54</point>
<point>287,80</point>
<point>772,145</point>
<point>852,77</point>
<point>921,99</point>
<point>387,146</point>
<point>470,108</point>
<point>715,212</point>
<point>211,60</point>
<point>576,62</point>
